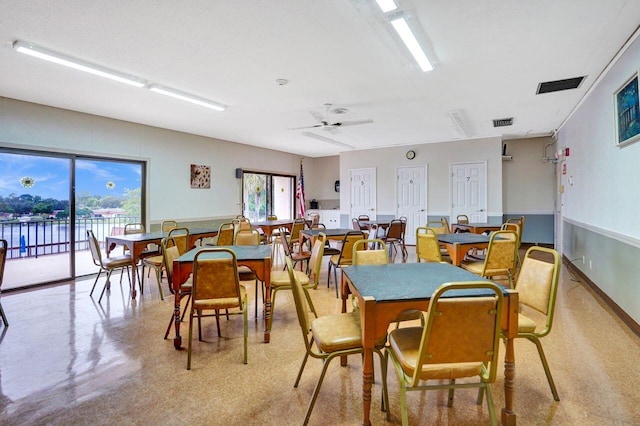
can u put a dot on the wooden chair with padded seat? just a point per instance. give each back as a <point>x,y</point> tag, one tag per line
<point>107,264</point>
<point>427,245</point>
<point>537,287</point>
<point>309,280</point>
<point>345,256</point>
<point>462,219</point>
<point>296,256</point>
<point>395,237</point>
<point>170,253</point>
<point>180,238</point>
<point>329,337</point>
<point>460,339</point>
<point>215,287</point>
<point>249,237</point>
<point>3,259</point>
<point>226,232</point>
<point>500,259</point>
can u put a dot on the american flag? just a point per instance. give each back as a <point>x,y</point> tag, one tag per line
<point>300,192</point>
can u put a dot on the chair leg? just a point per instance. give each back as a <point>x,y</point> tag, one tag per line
<point>545,365</point>
<point>106,285</point>
<point>190,339</point>
<point>4,317</point>
<point>159,278</point>
<point>492,412</point>
<point>95,282</point>
<point>451,390</point>
<point>316,391</point>
<point>246,327</point>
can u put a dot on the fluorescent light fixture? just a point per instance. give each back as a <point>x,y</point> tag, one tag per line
<point>402,28</point>
<point>187,97</point>
<point>62,59</point>
<point>329,140</point>
<point>387,5</point>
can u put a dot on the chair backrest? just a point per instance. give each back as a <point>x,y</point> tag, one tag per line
<point>437,226</point>
<point>302,307</point>
<point>181,238</point>
<point>170,253</point>
<point>462,219</point>
<point>94,246</point>
<point>363,217</point>
<point>501,253</point>
<point>445,225</point>
<point>462,329</point>
<point>296,228</point>
<point>247,237</point>
<point>427,245</point>
<point>241,223</point>
<point>395,230</point>
<point>225,234</point>
<point>364,255</point>
<point>315,219</point>
<point>517,221</point>
<point>3,258</point>
<point>168,225</point>
<point>346,252</point>
<point>215,275</point>
<point>285,243</point>
<point>537,282</point>
<point>356,224</point>
<point>315,261</point>
<point>512,226</point>
<point>133,228</point>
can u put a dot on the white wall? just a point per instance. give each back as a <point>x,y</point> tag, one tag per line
<point>168,154</point>
<point>601,184</point>
<point>438,157</point>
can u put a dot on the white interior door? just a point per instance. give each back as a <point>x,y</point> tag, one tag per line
<point>363,192</point>
<point>469,191</point>
<point>411,196</point>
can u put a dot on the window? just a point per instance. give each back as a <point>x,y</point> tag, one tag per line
<point>265,194</point>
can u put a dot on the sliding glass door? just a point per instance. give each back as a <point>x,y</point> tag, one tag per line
<point>265,194</point>
<point>48,201</point>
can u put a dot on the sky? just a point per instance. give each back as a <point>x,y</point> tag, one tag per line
<point>52,176</point>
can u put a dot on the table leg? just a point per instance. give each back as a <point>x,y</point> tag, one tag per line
<point>177,340</point>
<point>267,299</point>
<point>508,417</point>
<point>367,381</point>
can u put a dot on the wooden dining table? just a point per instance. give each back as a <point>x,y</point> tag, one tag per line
<point>258,258</point>
<point>384,291</point>
<point>458,245</point>
<point>268,226</point>
<point>476,228</point>
<point>137,243</point>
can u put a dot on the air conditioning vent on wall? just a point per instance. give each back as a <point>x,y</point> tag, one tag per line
<point>502,122</point>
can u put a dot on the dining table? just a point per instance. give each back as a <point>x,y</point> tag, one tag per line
<point>336,234</point>
<point>268,226</point>
<point>137,243</point>
<point>258,258</point>
<point>476,228</point>
<point>458,245</point>
<point>385,291</point>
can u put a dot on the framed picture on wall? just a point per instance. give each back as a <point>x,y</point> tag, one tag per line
<point>626,106</point>
<point>200,176</point>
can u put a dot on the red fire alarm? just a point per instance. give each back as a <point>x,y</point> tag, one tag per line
<point>566,152</point>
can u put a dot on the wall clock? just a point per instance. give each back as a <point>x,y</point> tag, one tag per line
<point>411,155</point>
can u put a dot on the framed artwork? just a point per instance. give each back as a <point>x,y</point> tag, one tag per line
<point>200,176</point>
<point>627,111</point>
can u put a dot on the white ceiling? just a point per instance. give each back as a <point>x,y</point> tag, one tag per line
<point>490,55</point>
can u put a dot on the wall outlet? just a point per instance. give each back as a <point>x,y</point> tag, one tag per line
<point>584,259</point>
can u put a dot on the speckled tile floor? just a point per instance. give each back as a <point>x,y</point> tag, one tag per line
<point>65,360</point>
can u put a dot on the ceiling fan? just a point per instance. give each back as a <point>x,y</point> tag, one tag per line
<point>326,124</point>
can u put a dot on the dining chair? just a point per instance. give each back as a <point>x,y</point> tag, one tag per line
<point>150,249</point>
<point>106,264</point>
<point>249,237</point>
<point>328,249</point>
<point>537,287</point>
<point>395,237</point>
<point>296,256</point>
<point>168,225</point>
<point>329,337</point>
<point>294,237</point>
<point>3,260</point>
<point>309,280</point>
<point>462,219</point>
<point>216,287</point>
<point>226,232</point>
<point>315,220</point>
<point>441,226</point>
<point>345,256</point>
<point>512,226</point>
<point>460,339</point>
<point>180,238</point>
<point>427,245</point>
<point>170,253</point>
<point>500,259</point>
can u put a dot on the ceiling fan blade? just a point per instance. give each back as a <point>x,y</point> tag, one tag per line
<point>329,140</point>
<point>331,129</point>
<point>352,123</point>
<point>317,116</point>
<point>306,127</point>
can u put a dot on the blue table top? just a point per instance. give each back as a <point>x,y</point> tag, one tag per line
<point>242,253</point>
<point>409,281</point>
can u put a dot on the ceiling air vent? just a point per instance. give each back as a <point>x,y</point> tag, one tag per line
<point>502,122</point>
<point>558,85</point>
